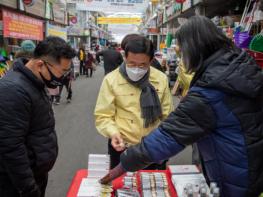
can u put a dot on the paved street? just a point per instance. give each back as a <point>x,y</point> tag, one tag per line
<point>78,137</point>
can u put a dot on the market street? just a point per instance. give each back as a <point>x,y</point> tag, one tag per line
<point>77,136</point>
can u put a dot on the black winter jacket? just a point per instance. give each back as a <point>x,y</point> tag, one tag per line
<point>112,59</point>
<point>28,141</point>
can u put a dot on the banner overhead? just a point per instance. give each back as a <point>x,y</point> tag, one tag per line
<point>132,6</point>
<point>118,20</point>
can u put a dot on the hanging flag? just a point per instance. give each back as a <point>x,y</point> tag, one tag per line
<point>180,1</point>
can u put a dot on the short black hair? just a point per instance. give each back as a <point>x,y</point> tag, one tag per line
<point>198,39</point>
<point>139,44</point>
<point>128,38</point>
<point>55,48</point>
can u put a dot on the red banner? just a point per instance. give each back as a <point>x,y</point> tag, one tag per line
<point>21,26</point>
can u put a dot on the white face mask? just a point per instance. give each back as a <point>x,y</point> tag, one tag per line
<point>135,74</point>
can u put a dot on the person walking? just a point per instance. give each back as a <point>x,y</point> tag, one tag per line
<point>90,61</point>
<point>28,141</point>
<point>82,58</point>
<point>222,112</point>
<point>111,57</point>
<point>67,82</point>
<point>132,101</point>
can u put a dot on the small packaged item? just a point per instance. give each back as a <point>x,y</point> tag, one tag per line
<point>127,193</point>
<point>183,169</point>
<point>98,167</point>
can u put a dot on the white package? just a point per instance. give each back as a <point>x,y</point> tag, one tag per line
<point>89,188</point>
<point>183,169</point>
<point>99,166</point>
<point>99,158</point>
<point>180,181</point>
<point>97,173</point>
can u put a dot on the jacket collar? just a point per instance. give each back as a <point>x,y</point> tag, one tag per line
<point>152,78</point>
<point>206,64</point>
<point>19,66</point>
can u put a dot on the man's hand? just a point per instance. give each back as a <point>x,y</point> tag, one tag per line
<point>117,142</point>
<point>113,174</point>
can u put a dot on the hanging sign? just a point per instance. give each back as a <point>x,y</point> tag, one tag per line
<point>73,20</point>
<point>118,20</point>
<point>186,5</point>
<point>9,3</point>
<point>180,1</point>
<point>29,3</point>
<point>54,30</point>
<point>132,6</point>
<point>21,26</point>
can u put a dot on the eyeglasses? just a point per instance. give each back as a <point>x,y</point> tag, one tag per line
<point>142,66</point>
<point>65,73</point>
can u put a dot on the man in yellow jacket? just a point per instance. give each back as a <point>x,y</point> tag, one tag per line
<point>133,99</point>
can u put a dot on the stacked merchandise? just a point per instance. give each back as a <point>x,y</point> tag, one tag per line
<point>256,48</point>
<point>154,185</point>
<point>130,186</point>
<point>3,66</point>
<point>247,34</point>
<point>98,167</point>
<point>127,193</point>
<point>189,182</point>
<point>130,180</point>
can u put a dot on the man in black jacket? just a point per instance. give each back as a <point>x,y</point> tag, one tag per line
<point>28,141</point>
<point>111,57</point>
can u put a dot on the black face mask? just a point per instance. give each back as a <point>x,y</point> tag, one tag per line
<point>54,81</point>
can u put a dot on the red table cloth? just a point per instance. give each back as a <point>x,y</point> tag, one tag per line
<point>117,183</point>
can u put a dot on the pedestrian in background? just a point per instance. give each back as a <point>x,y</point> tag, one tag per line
<point>82,58</point>
<point>26,51</point>
<point>222,113</point>
<point>67,83</point>
<point>111,57</point>
<point>28,141</point>
<point>89,64</point>
<point>132,101</point>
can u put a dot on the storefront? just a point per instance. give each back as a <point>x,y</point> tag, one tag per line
<point>17,27</point>
<point>56,30</point>
<point>94,37</point>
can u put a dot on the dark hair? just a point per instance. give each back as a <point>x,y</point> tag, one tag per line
<point>128,38</point>
<point>55,48</point>
<point>261,5</point>
<point>24,54</point>
<point>113,45</point>
<point>198,39</point>
<point>139,44</point>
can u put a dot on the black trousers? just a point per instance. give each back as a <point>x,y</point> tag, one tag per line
<point>7,188</point>
<point>82,69</point>
<point>67,84</point>
<point>87,72</point>
<point>115,159</point>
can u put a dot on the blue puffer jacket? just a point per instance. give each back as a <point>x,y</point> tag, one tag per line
<point>223,114</point>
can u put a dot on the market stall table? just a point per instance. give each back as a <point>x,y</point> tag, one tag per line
<point>117,183</point>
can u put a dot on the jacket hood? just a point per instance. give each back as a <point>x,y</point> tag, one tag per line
<point>19,66</point>
<point>233,72</point>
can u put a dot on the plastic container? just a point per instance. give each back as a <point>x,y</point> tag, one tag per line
<point>242,39</point>
<point>258,56</point>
